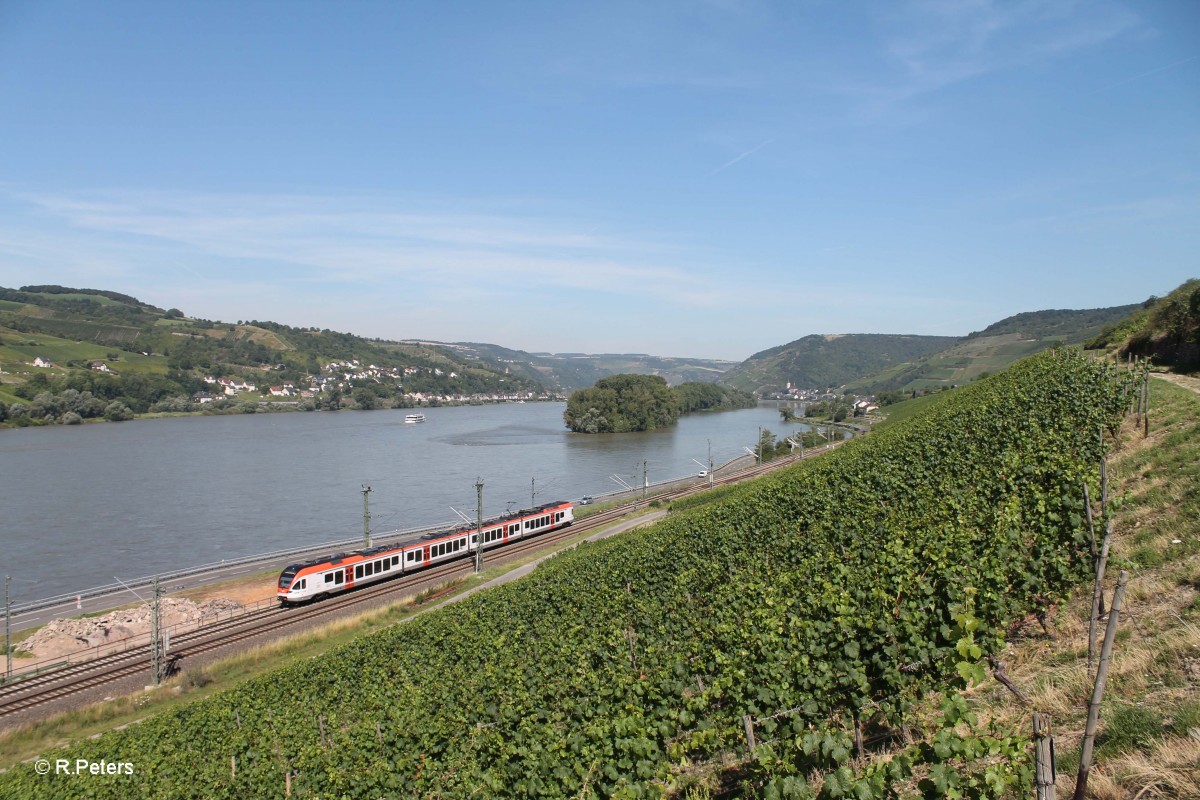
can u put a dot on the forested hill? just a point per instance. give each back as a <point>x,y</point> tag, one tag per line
<point>992,349</point>
<point>1069,326</point>
<point>824,361</point>
<point>1164,329</point>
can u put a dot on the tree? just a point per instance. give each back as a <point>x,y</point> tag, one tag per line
<point>116,411</point>
<point>365,399</point>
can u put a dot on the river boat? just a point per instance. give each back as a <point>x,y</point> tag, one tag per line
<point>410,419</point>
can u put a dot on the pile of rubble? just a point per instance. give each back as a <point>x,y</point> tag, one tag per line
<point>63,636</point>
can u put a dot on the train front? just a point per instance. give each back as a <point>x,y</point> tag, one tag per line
<point>287,592</point>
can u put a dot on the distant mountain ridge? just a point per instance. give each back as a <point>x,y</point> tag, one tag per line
<point>77,328</point>
<point>568,371</point>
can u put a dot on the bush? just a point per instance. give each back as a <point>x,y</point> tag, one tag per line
<point>71,418</point>
<point>116,411</point>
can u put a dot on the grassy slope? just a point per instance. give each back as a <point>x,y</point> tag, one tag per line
<point>1149,737</point>
<point>1148,744</point>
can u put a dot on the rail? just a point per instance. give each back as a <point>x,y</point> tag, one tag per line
<point>27,669</point>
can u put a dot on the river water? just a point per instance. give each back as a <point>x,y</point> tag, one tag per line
<point>82,504</point>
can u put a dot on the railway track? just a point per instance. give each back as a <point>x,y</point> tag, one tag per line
<point>28,693</point>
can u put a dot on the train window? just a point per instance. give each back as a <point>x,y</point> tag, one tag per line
<point>300,584</point>
<point>387,564</point>
<point>337,576</point>
<point>395,560</point>
<point>329,577</point>
<point>368,569</point>
<point>358,571</point>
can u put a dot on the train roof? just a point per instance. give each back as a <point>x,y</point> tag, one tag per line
<point>397,544</point>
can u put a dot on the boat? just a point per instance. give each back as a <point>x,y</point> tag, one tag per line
<point>412,418</point>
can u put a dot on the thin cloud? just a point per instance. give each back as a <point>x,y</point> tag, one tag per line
<point>346,241</point>
<point>746,154</point>
<point>930,46</point>
<point>1145,74</point>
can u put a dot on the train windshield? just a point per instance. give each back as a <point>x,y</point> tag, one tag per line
<point>285,579</point>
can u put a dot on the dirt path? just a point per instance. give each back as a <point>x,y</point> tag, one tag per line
<point>1189,382</point>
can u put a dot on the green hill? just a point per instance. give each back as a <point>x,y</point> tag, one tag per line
<point>1165,329</point>
<point>824,361</point>
<point>992,349</point>
<point>151,355</point>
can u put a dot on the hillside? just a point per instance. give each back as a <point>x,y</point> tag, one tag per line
<point>1165,329</point>
<point>635,666</point>
<point>121,349</point>
<point>826,361</point>
<point>568,371</point>
<point>992,349</point>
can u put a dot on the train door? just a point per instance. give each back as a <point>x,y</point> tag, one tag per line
<point>425,550</point>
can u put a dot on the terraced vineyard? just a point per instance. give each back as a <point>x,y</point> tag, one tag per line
<point>820,604</point>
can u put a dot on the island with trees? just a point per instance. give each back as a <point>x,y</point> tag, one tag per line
<point>625,403</point>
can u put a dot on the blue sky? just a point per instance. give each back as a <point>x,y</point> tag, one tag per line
<point>691,179</point>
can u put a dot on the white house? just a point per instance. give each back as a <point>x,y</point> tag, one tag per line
<point>44,363</point>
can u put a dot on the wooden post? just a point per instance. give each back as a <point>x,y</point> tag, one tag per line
<point>232,768</point>
<point>287,783</point>
<point>1087,506</point>
<point>1103,486</point>
<point>1098,595</point>
<point>1044,757</point>
<point>748,724</point>
<point>1089,734</point>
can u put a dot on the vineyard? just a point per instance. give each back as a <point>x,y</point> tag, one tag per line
<point>810,610</point>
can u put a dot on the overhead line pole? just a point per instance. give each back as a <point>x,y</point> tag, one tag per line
<point>7,634</point>
<point>156,651</point>
<point>366,490</point>
<point>479,527</point>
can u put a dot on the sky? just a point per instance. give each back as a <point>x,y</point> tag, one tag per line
<point>702,179</point>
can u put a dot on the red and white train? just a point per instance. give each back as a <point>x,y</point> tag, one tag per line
<point>314,580</point>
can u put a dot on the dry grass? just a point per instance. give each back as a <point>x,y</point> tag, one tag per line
<point>1148,743</point>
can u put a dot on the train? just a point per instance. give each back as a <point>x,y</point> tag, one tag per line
<point>328,575</point>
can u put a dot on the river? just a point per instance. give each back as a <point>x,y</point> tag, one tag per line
<point>83,504</point>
